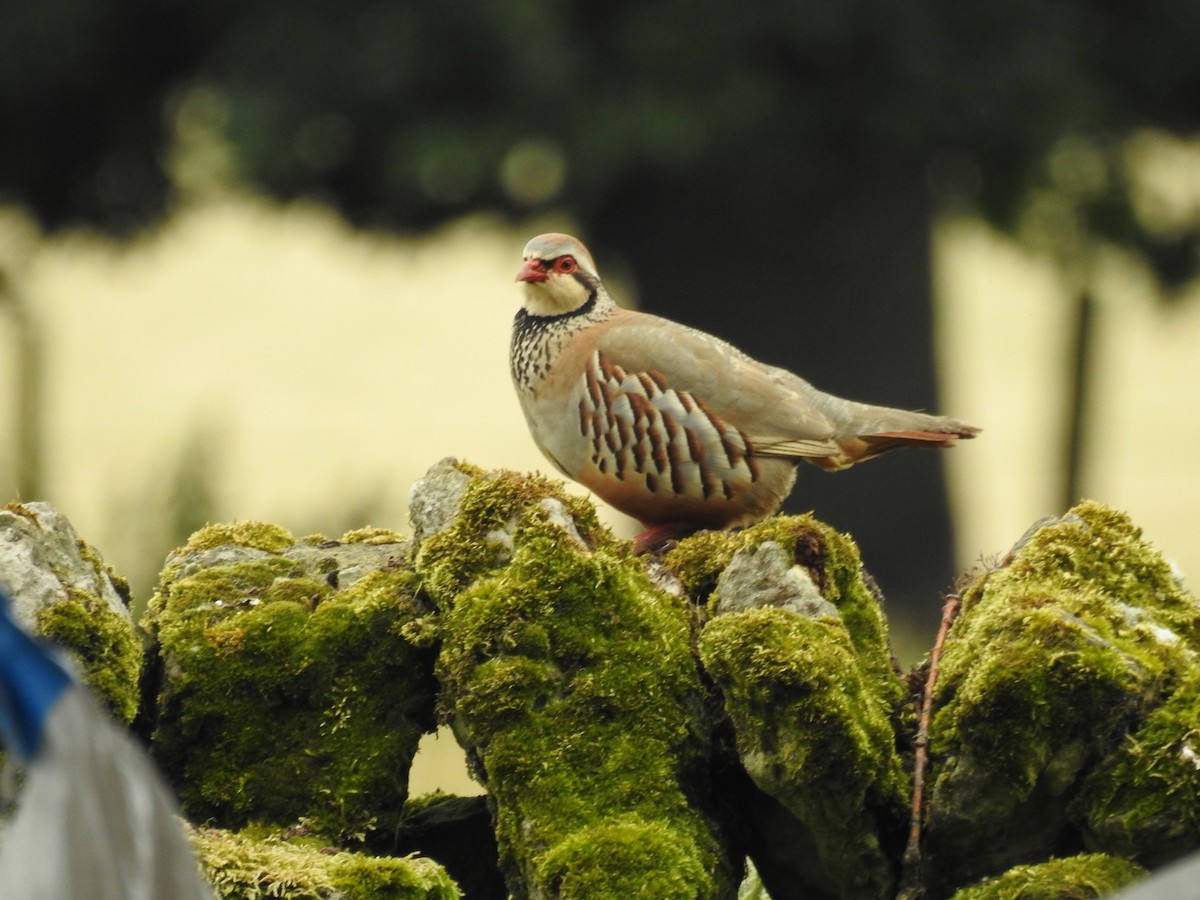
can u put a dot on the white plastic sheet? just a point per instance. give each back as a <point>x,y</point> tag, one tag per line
<point>94,820</point>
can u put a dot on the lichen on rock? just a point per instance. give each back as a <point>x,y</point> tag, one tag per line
<point>571,682</point>
<point>1065,702</point>
<point>289,689</point>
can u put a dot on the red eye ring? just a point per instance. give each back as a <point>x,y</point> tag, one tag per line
<point>565,265</point>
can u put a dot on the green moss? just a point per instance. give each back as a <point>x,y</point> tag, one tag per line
<point>1143,801</point>
<point>1057,654</point>
<point>1083,877</point>
<point>419,804</point>
<point>372,536</point>
<point>120,584</point>
<point>303,591</point>
<point>699,560</point>
<point>251,866</point>
<point>285,697</point>
<point>812,733</point>
<point>105,642</point>
<point>833,562</point>
<point>212,594</point>
<point>1100,548</point>
<point>480,537</point>
<point>257,535</point>
<point>1024,701</point>
<point>623,858</point>
<point>571,682</point>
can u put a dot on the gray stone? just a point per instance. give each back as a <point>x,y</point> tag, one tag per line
<point>41,556</point>
<point>557,511</point>
<point>344,564</point>
<point>765,575</point>
<point>433,500</point>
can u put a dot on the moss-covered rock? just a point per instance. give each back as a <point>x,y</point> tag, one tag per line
<point>256,864</point>
<point>571,682</point>
<point>295,678</point>
<point>104,642</point>
<point>289,689</point>
<point>64,591</point>
<point>827,558</point>
<point>1143,799</point>
<point>1077,646</point>
<point>808,685</point>
<point>472,530</point>
<point>1084,877</point>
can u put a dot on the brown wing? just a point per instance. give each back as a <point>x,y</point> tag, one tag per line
<point>771,407</point>
<point>778,413</point>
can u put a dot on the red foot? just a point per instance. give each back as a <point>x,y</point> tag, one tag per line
<point>656,537</point>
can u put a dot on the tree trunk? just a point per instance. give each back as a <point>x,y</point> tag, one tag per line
<point>27,353</point>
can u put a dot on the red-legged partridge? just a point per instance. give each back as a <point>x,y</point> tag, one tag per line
<point>670,425</point>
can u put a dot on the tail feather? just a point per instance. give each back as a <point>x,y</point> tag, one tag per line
<point>943,433</point>
<point>892,440</point>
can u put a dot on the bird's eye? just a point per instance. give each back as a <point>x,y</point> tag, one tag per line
<point>565,264</point>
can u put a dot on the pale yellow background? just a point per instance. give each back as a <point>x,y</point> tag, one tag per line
<point>332,367</point>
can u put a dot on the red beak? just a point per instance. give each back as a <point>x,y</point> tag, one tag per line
<point>533,270</point>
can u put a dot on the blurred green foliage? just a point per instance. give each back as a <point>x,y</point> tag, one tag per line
<point>404,114</point>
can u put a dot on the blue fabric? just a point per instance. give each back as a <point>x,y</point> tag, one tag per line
<point>31,681</point>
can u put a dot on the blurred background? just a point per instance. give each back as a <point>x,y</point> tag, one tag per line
<point>257,257</point>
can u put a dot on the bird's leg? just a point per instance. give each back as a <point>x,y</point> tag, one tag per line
<point>656,537</point>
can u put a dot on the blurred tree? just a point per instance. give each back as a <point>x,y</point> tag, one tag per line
<point>768,173</point>
<point>27,358</point>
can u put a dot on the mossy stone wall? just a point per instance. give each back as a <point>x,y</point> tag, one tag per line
<point>640,725</point>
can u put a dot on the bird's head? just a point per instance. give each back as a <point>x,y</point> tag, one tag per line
<point>558,275</point>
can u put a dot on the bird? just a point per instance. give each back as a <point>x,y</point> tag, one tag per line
<point>672,426</point>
